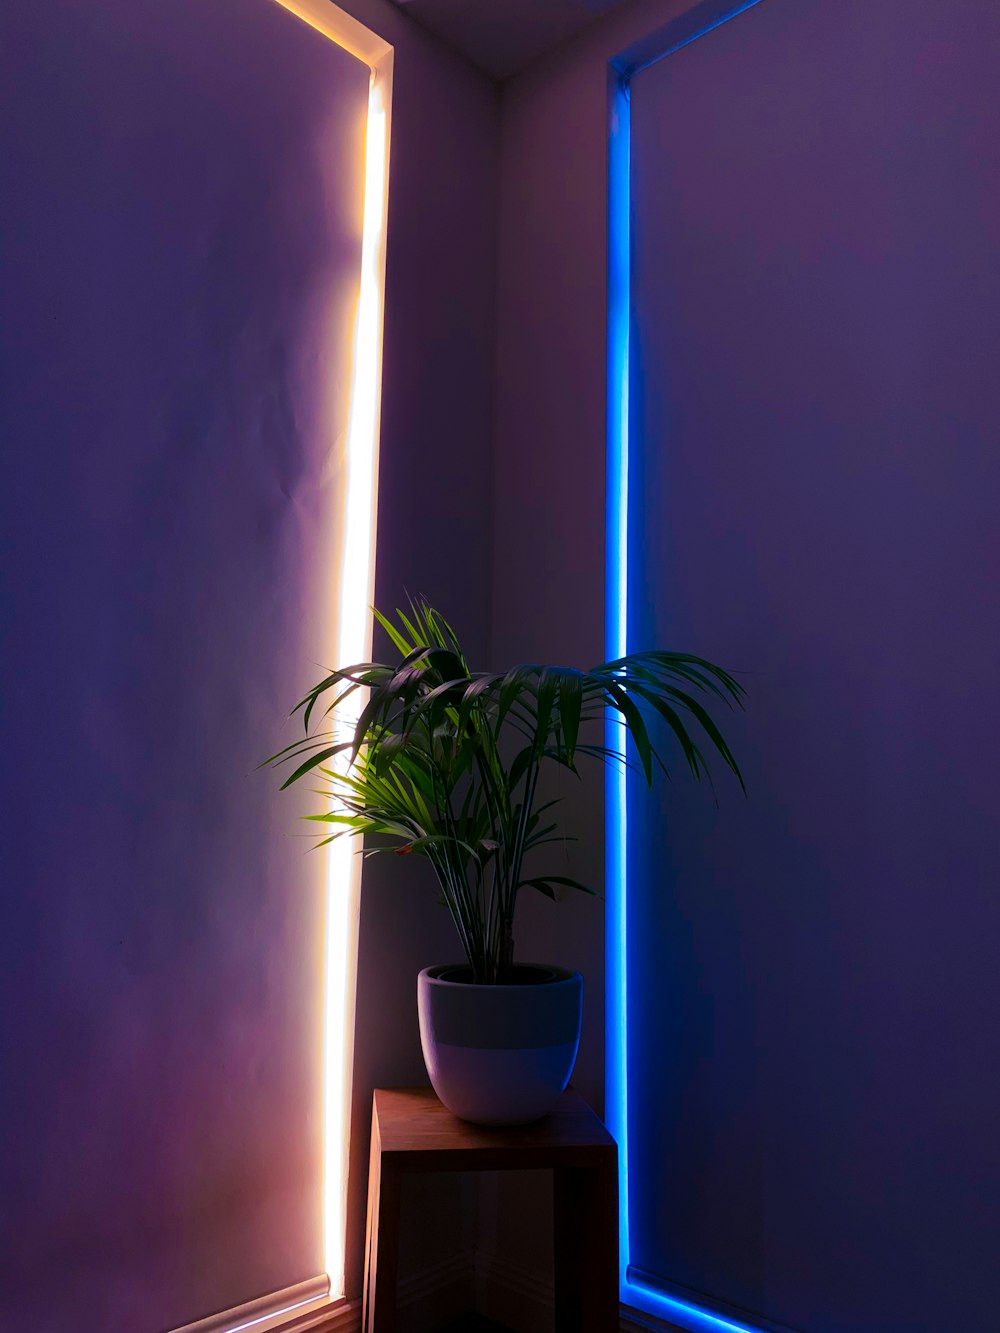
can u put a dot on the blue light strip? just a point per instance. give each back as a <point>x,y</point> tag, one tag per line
<point>652,1301</point>
<point>619,318</point>
<point>696,23</point>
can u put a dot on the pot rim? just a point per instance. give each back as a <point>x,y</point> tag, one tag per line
<point>560,976</point>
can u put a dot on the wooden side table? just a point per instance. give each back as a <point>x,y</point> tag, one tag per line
<point>412,1131</point>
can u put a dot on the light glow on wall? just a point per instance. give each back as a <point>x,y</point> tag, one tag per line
<point>353,636</point>
<point>636,1291</point>
<point>354,643</point>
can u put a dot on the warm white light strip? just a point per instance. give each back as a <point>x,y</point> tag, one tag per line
<point>354,645</point>
<point>354,631</point>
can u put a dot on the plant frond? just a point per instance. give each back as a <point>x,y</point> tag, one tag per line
<point>443,763</point>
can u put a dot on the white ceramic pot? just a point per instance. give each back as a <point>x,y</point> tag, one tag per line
<point>500,1055</point>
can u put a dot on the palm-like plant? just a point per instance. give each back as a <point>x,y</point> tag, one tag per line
<point>443,762</point>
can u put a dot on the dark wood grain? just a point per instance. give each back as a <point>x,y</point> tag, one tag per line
<point>585,1218</point>
<point>474,1323</point>
<point>381,1241</point>
<point>412,1131</point>
<point>425,1136</point>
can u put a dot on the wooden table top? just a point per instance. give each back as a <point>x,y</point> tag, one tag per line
<point>419,1134</point>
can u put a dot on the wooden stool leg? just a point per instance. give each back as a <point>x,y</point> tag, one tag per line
<point>381,1243</point>
<point>586,1247</point>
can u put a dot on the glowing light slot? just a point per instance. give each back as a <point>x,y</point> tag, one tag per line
<point>681,1313</point>
<point>354,631</point>
<point>703,18</point>
<point>619,318</point>
<point>353,645</point>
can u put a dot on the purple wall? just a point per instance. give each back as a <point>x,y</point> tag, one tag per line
<point>177,242</point>
<point>182,209</point>
<point>435,511</point>
<point>817,312</point>
<point>817,305</point>
<point>183,202</point>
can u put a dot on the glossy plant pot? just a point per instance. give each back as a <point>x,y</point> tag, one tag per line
<point>500,1055</point>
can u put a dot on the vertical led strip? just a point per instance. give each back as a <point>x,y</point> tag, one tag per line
<point>619,320</point>
<point>356,592</point>
<point>703,18</point>
<point>354,643</point>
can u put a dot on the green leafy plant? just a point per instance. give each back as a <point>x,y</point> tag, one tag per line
<point>444,763</point>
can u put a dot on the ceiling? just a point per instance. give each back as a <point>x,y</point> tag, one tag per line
<point>503,36</point>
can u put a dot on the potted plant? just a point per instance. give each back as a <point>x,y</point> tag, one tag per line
<point>443,762</point>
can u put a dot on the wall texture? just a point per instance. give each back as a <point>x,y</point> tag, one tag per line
<point>149,935</point>
<point>183,190</point>
<point>816,297</point>
<point>816,289</point>
<point>549,453</point>
<point>182,230</point>
<point>435,524</point>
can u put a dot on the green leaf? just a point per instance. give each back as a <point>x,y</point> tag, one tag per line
<point>444,762</point>
<point>570,709</point>
<point>633,720</point>
<point>319,758</point>
<point>559,879</point>
<point>397,638</point>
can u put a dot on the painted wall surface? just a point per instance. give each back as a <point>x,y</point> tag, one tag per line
<point>548,486</point>
<point>817,306</point>
<point>181,233</point>
<point>549,414</point>
<point>435,523</point>
<point>182,192</point>
<point>817,303</point>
